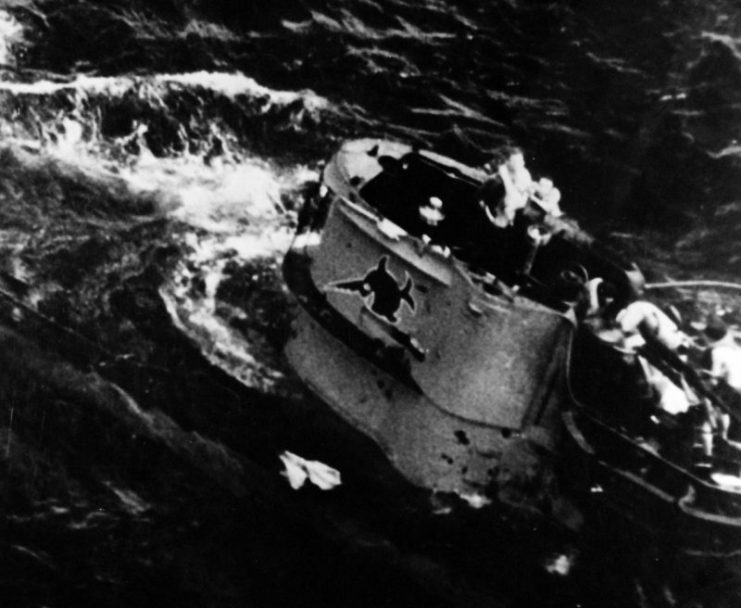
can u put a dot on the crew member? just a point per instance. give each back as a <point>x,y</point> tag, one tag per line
<point>546,196</point>
<point>670,397</point>
<point>642,319</point>
<point>431,216</point>
<point>508,189</point>
<point>724,356</point>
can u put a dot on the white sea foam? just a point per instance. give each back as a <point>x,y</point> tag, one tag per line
<point>235,215</point>
<point>219,343</point>
<point>102,85</point>
<point>227,212</point>
<point>76,137</point>
<point>225,83</point>
<point>234,84</point>
<point>227,199</point>
<point>235,193</point>
<point>229,208</point>
<point>207,29</point>
<point>11,33</point>
<point>69,137</point>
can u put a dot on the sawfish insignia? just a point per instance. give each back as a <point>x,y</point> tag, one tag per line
<point>380,285</point>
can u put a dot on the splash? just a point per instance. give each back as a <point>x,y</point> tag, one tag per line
<point>99,85</point>
<point>234,218</point>
<point>11,33</point>
<point>230,208</point>
<point>127,120</point>
<point>232,212</point>
<point>221,198</point>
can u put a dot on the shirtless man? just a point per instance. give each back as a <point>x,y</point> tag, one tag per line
<point>546,196</point>
<point>517,182</point>
<point>641,319</point>
<point>724,356</point>
<point>514,177</point>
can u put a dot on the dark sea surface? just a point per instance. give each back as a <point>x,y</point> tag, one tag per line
<point>152,158</point>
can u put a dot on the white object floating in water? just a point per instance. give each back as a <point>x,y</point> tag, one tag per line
<point>560,564</point>
<point>474,500</point>
<point>298,470</point>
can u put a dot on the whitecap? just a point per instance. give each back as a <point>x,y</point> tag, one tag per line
<point>11,33</point>
<point>229,84</point>
<point>234,84</point>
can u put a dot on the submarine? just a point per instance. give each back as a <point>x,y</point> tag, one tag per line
<point>460,349</point>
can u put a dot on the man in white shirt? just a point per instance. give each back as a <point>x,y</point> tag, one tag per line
<point>724,361</point>
<point>546,196</point>
<point>642,318</point>
<point>671,398</point>
<point>724,355</point>
<point>516,182</point>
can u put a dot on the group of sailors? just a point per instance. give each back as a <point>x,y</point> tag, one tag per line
<point>508,171</point>
<point>695,377</point>
<point>689,377</point>
<point>505,237</point>
<point>508,189</point>
<point>685,375</point>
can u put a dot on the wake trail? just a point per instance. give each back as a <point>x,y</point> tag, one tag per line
<point>228,207</point>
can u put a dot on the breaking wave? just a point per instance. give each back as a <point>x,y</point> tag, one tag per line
<point>11,34</point>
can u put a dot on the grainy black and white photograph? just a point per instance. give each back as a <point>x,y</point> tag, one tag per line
<point>370,303</point>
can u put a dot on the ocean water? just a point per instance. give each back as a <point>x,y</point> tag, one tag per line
<point>152,159</point>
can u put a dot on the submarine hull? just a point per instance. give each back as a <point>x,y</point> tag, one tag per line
<point>430,447</point>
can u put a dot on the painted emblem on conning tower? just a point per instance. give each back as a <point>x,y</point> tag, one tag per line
<point>380,290</point>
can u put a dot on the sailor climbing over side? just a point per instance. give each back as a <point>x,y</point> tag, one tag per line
<point>546,196</point>
<point>655,335</point>
<point>431,216</point>
<point>723,358</point>
<point>723,366</point>
<point>507,189</point>
<point>510,187</point>
<point>514,206</point>
<point>641,320</point>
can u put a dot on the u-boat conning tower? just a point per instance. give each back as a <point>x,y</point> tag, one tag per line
<point>455,375</point>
